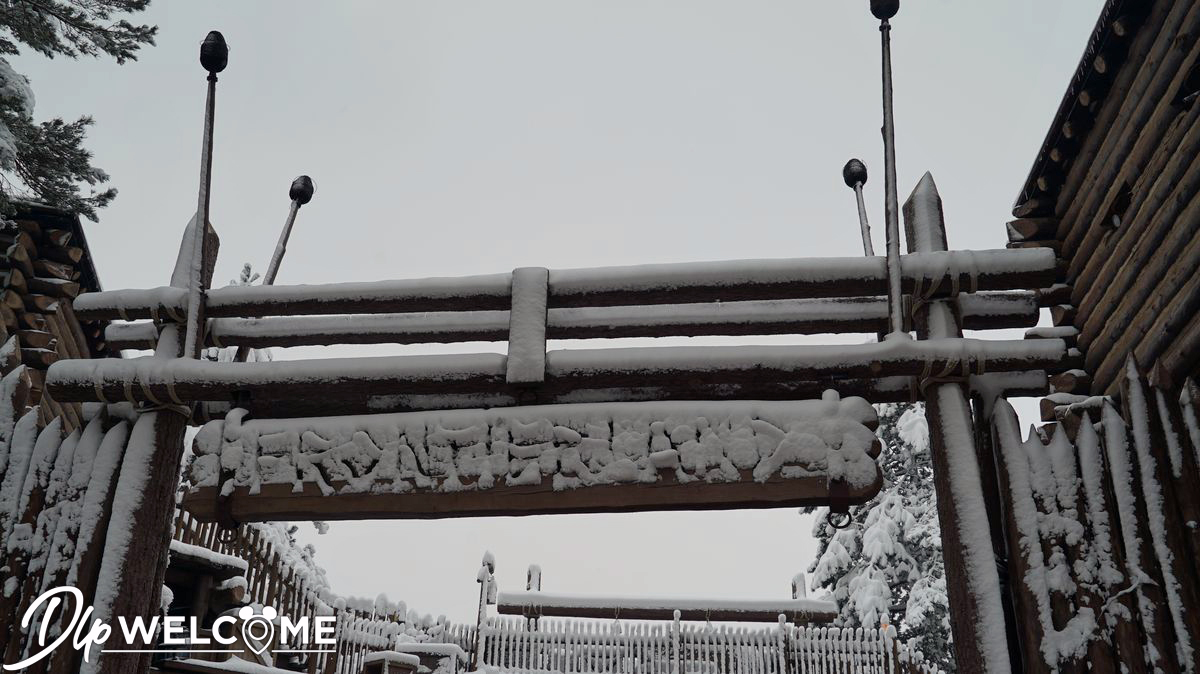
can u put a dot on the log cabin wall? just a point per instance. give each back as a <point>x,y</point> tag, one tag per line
<point>1115,191</point>
<point>44,265</point>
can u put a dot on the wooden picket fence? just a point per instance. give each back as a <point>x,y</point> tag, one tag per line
<point>275,574</point>
<point>528,646</point>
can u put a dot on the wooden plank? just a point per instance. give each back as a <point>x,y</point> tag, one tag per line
<point>681,283</point>
<point>276,502</point>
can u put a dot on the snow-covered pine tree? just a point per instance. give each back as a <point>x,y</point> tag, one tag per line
<point>887,564</point>
<point>46,161</point>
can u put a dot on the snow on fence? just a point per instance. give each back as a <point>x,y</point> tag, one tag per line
<point>360,634</point>
<point>1102,515</point>
<point>534,646</point>
<point>281,574</point>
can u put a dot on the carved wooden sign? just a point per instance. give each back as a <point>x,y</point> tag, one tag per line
<point>608,457</point>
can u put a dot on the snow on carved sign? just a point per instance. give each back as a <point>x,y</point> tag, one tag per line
<point>559,447</point>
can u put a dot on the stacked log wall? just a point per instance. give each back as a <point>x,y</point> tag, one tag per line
<point>1119,198</point>
<point>44,266</point>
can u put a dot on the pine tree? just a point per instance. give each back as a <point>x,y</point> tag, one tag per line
<point>46,161</point>
<point>887,564</point>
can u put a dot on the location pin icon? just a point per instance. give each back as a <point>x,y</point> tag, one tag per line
<point>258,631</point>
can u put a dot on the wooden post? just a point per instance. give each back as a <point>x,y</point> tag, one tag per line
<point>676,657</point>
<point>976,610</point>
<point>131,581</point>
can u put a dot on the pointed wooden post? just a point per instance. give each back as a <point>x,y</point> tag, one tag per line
<point>134,561</point>
<point>976,609</point>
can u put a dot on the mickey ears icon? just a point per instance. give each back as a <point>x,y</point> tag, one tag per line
<point>247,612</point>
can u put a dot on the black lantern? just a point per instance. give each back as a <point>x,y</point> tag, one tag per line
<point>302,190</point>
<point>854,173</point>
<point>214,53</point>
<point>885,9</point>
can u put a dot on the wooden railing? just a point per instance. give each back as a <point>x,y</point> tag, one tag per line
<point>278,575</point>
<point>577,647</point>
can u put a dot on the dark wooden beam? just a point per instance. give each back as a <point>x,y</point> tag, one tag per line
<point>982,311</point>
<point>541,605</point>
<point>276,502</point>
<point>568,372</point>
<point>739,280</point>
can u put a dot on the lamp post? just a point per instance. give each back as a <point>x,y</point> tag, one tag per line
<point>855,175</point>
<point>214,56</point>
<point>300,192</point>
<point>884,10</point>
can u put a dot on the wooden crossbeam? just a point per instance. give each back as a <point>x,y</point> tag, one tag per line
<point>567,371</point>
<point>879,390</point>
<point>543,604</point>
<point>274,502</point>
<point>981,311</point>
<point>739,280</point>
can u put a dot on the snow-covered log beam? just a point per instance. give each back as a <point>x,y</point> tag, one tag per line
<point>980,311</point>
<point>277,502</point>
<point>739,280</point>
<point>543,604</point>
<point>568,372</point>
<point>608,457</point>
<point>877,390</point>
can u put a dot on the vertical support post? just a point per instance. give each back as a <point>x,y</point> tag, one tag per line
<point>131,576</point>
<point>527,326</point>
<point>676,657</point>
<point>976,611</point>
<point>484,578</point>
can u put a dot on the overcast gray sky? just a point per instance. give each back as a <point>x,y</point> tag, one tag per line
<point>450,138</point>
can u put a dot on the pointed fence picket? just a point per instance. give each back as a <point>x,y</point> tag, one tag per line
<point>524,646</point>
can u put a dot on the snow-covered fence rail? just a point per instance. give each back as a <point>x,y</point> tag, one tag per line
<point>1102,512</point>
<point>282,575</point>
<point>369,384</point>
<point>737,280</point>
<point>528,646</point>
<point>980,311</point>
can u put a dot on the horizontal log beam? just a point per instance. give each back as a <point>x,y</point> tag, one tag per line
<point>543,604</point>
<point>568,372</point>
<point>980,311</point>
<point>877,390</point>
<point>277,502</point>
<point>740,280</point>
